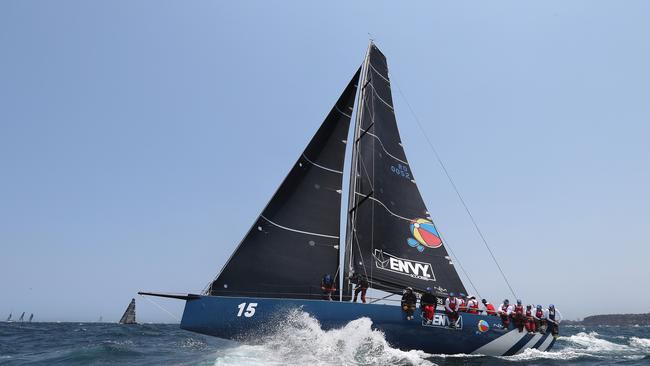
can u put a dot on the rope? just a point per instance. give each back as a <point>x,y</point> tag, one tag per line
<point>460,197</point>
<point>161,308</point>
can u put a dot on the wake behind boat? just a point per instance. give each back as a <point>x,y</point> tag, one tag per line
<point>391,241</point>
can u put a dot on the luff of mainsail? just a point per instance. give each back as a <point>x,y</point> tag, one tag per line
<point>129,314</point>
<point>392,239</point>
<point>22,316</point>
<point>31,317</point>
<point>295,241</point>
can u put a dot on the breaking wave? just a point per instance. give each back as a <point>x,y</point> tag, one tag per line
<point>300,341</point>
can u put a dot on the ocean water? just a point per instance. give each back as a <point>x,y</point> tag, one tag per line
<point>300,341</point>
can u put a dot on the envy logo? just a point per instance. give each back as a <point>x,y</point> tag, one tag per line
<point>415,269</point>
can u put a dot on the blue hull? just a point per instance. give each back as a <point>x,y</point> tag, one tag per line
<point>239,318</point>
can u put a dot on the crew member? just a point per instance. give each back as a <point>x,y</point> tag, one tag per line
<point>554,319</point>
<point>451,308</point>
<point>540,317</point>
<point>489,308</point>
<point>518,316</point>
<point>409,301</point>
<point>361,287</point>
<point>472,305</point>
<point>529,319</point>
<point>462,303</point>
<point>428,304</point>
<point>504,312</point>
<point>327,286</point>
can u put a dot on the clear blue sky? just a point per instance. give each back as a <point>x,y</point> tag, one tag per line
<point>138,140</point>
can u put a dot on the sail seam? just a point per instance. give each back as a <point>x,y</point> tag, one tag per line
<point>378,73</point>
<point>320,166</point>
<point>380,98</point>
<point>343,113</point>
<point>299,231</point>
<point>384,148</point>
<point>387,209</point>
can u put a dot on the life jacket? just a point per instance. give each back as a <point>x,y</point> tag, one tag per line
<point>551,314</point>
<point>490,309</point>
<point>504,308</point>
<point>529,313</point>
<point>463,304</point>
<point>519,309</point>
<point>473,306</point>
<point>452,303</point>
<point>539,313</point>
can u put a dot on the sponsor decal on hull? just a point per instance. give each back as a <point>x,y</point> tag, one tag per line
<point>442,321</point>
<point>407,267</point>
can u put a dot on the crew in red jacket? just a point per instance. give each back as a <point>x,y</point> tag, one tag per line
<point>529,319</point>
<point>472,305</point>
<point>489,308</point>
<point>518,316</point>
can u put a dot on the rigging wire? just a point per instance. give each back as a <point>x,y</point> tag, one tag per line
<point>453,184</point>
<point>161,308</point>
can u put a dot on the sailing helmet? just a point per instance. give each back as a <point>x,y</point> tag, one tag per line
<point>484,301</point>
<point>551,306</point>
<point>528,306</point>
<point>461,294</point>
<point>409,289</point>
<point>429,290</point>
<point>518,302</point>
<point>451,294</point>
<point>506,301</point>
<point>539,307</point>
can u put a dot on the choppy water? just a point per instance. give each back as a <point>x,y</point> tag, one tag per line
<point>301,341</point>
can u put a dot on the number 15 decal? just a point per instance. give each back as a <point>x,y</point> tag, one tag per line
<point>250,309</point>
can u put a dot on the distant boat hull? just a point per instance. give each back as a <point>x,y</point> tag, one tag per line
<point>238,318</point>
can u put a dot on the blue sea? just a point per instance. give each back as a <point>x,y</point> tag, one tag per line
<point>303,343</point>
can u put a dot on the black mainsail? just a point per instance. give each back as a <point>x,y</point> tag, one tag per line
<point>129,314</point>
<point>295,241</point>
<point>391,238</point>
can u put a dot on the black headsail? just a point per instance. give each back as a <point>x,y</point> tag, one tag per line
<point>391,237</point>
<point>295,241</point>
<point>129,314</point>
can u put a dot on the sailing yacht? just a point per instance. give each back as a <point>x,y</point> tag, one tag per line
<point>31,317</point>
<point>129,314</point>
<point>22,316</point>
<point>9,318</point>
<point>391,239</point>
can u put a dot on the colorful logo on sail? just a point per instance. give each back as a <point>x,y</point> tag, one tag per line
<point>424,235</point>
<point>483,326</point>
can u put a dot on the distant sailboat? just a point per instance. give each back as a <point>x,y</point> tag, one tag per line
<point>129,314</point>
<point>22,316</point>
<point>31,316</point>
<point>9,318</point>
<point>101,319</point>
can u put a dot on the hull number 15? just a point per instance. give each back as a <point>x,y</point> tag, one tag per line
<point>250,309</point>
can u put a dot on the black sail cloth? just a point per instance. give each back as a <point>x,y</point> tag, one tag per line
<point>295,241</point>
<point>393,239</point>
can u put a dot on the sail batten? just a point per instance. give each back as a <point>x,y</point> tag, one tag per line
<point>395,242</point>
<point>295,240</point>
